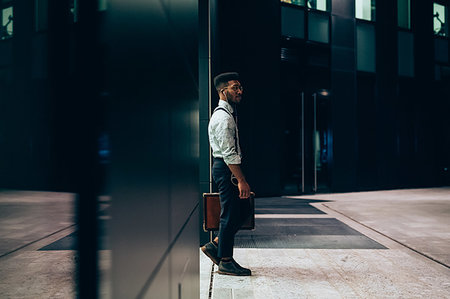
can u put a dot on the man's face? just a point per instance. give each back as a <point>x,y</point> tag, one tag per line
<point>233,91</point>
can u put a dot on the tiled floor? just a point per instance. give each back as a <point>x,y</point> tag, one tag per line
<point>335,273</point>
<point>30,221</point>
<point>412,225</point>
<point>386,244</point>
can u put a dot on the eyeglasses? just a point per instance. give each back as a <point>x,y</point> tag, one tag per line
<point>237,87</point>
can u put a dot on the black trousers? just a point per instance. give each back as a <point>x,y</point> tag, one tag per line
<point>233,212</point>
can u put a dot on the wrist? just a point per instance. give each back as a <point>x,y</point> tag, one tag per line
<point>241,180</point>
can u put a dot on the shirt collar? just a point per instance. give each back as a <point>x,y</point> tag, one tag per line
<point>226,105</point>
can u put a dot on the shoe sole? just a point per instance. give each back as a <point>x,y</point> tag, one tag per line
<point>233,274</point>
<point>210,256</point>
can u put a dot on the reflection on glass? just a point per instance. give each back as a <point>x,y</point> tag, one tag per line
<point>440,24</point>
<point>318,4</point>
<point>6,30</point>
<point>313,4</point>
<point>41,14</point>
<point>292,22</point>
<point>365,47</point>
<point>318,28</point>
<point>102,5</point>
<point>405,54</point>
<point>73,5</point>
<point>441,50</point>
<point>404,13</point>
<point>295,2</point>
<point>365,9</point>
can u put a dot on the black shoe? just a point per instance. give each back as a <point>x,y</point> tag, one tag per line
<point>210,249</point>
<point>233,268</point>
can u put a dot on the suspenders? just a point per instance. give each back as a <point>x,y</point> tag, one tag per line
<point>235,121</point>
<point>221,108</point>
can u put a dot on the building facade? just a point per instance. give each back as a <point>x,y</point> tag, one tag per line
<point>340,95</point>
<point>114,98</point>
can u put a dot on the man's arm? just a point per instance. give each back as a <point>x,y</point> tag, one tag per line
<point>244,188</point>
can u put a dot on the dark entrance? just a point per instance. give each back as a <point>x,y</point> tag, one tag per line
<point>306,111</point>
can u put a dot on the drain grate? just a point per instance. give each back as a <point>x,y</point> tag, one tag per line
<point>312,233</point>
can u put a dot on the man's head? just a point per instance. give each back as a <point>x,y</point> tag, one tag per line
<point>229,87</point>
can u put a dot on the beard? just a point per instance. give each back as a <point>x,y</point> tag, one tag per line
<point>232,98</point>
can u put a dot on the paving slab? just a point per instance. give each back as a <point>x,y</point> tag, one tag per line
<point>412,225</point>
<point>417,218</point>
<point>27,216</point>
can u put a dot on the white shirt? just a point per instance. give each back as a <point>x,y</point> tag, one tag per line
<point>222,131</point>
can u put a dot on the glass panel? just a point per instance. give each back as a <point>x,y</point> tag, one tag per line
<point>296,2</point>
<point>6,30</point>
<point>404,13</point>
<point>102,5</point>
<point>365,53</point>
<point>444,73</point>
<point>437,72</point>
<point>405,54</point>
<point>41,15</point>
<point>318,28</point>
<point>441,50</point>
<point>74,10</point>
<point>318,4</point>
<point>440,24</point>
<point>292,22</point>
<point>323,141</point>
<point>365,9</point>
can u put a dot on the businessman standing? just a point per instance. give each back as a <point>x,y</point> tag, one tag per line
<point>224,140</point>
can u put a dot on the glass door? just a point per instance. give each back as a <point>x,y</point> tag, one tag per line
<point>322,141</point>
<point>307,143</point>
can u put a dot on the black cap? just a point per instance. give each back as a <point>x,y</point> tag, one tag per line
<point>225,77</point>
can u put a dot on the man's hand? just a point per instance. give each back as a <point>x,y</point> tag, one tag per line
<point>244,189</point>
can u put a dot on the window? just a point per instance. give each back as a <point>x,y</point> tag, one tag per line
<point>292,22</point>
<point>365,10</point>
<point>6,30</point>
<point>102,5</point>
<point>441,50</point>
<point>319,5</point>
<point>440,19</point>
<point>405,54</point>
<point>318,27</point>
<point>404,14</point>
<point>41,14</point>
<point>295,2</point>
<point>308,23</point>
<point>73,4</point>
<point>323,5</point>
<point>365,47</point>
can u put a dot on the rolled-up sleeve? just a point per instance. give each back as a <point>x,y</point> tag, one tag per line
<point>225,134</point>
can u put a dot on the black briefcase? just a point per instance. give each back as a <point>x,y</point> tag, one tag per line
<point>211,212</point>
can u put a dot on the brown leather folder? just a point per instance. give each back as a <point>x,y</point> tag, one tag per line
<point>211,212</point>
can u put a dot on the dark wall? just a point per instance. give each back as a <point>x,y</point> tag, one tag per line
<point>402,129</point>
<point>51,116</point>
<point>24,136</point>
<point>343,94</point>
<point>386,153</point>
<point>427,99</point>
<point>249,43</point>
<point>153,120</point>
<point>129,72</point>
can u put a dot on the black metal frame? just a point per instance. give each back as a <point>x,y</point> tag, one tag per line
<point>306,22</point>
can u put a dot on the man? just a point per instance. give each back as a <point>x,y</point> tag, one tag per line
<point>224,141</point>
